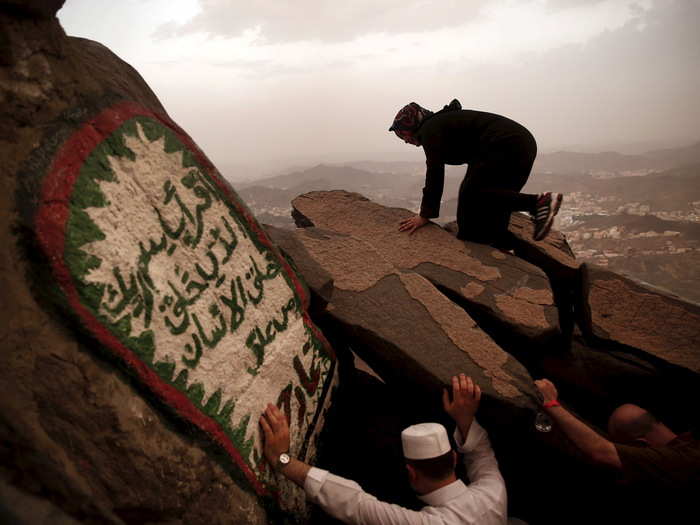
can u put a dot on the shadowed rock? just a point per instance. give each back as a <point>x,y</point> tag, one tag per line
<point>553,247</point>
<point>554,257</point>
<point>621,362</point>
<point>147,318</point>
<point>623,312</point>
<point>493,286</point>
<point>33,8</point>
<point>408,331</point>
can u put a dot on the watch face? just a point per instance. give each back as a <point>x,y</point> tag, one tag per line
<point>284,459</point>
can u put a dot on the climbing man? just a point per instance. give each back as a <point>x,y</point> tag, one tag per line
<point>430,466</point>
<point>500,153</point>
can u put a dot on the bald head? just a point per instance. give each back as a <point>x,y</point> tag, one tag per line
<point>630,422</point>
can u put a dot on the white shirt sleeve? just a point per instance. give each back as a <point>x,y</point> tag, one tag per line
<point>482,466</point>
<point>483,500</point>
<point>345,500</point>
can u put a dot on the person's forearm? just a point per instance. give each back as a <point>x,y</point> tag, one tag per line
<point>432,192</point>
<point>464,427</point>
<point>594,446</point>
<point>296,471</point>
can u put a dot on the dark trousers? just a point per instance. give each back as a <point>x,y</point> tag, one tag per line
<point>490,191</point>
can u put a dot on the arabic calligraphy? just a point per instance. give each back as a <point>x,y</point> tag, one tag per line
<point>173,266</point>
<point>190,223</point>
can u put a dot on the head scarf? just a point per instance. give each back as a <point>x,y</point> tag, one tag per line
<point>409,118</point>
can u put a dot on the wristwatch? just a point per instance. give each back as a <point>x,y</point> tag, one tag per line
<point>283,460</point>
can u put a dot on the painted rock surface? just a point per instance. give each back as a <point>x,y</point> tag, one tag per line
<point>165,268</point>
<point>487,281</point>
<point>127,250</point>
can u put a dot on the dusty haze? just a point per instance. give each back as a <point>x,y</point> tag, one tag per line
<point>263,85</point>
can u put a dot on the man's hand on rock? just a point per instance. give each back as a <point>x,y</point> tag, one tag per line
<point>465,401</point>
<point>412,224</point>
<point>547,389</point>
<point>276,433</point>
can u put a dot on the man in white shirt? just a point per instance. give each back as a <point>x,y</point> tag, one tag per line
<point>430,466</point>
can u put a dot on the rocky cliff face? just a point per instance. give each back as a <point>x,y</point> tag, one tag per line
<point>519,307</point>
<point>420,308</point>
<point>147,318</point>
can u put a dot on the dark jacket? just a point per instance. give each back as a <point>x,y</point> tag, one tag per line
<point>462,137</point>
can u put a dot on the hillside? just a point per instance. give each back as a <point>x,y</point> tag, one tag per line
<point>608,163</point>
<point>674,189</point>
<point>611,161</point>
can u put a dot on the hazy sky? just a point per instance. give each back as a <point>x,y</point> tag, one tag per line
<point>275,82</point>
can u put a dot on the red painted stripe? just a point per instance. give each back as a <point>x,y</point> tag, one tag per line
<point>50,226</point>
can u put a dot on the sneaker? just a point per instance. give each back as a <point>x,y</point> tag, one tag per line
<point>547,207</point>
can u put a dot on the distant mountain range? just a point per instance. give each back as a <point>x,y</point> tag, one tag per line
<point>636,224</point>
<point>332,174</point>
<point>570,162</point>
<point>673,189</point>
<point>672,183</point>
<point>628,196</point>
<point>278,191</point>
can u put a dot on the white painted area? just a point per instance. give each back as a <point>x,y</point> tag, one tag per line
<point>131,224</point>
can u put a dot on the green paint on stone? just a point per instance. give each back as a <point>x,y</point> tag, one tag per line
<point>87,192</point>
<point>165,370</point>
<point>196,393</point>
<point>188,160</point>
<point>224,417</point>
<point>122,328</point>
<point>238,436</point>
<point>212,406</point>
<point>144,346</point>
<point>80,231</point>
<point>151,129</point>
<point>181,380</point>
<point>129,304</point>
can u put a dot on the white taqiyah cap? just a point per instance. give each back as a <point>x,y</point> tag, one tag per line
<point>425,441</point>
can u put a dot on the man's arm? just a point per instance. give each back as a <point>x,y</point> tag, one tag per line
<point>341,498</point>
<point>473,442</point>
<point>594,446</point>
<point>466,396</point>
<point>276,432</point>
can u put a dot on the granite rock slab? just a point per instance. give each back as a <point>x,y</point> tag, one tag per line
<point>147,317</point>
<point>406,329</point>
<point>623,311</point>
<point>510,292</point>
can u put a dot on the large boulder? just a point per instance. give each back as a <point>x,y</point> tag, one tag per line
<point>496,288</point>
<point>409,332</point>
<point>147,318</point>
<point>625,314</point>
<point>316,278</point>
<point>554,257</point>
<point>553,250</point>
<point>34,8</point>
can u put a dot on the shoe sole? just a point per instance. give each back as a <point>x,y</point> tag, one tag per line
<point>550,219</point>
